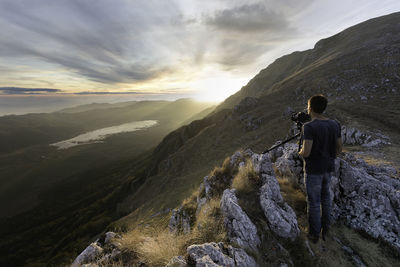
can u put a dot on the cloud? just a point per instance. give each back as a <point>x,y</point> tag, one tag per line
<point>26,91</point>
<point>253,18</point>
<point>114,93</point>
<point>243,33</point>
<point>100,40</point>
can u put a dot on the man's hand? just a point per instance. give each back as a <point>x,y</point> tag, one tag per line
<point>339,146</point>
<point>306,148</point>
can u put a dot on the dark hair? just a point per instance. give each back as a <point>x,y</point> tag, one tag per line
<point>318,103</point>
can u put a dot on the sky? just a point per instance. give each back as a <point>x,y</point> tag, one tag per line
<point>206,49</point>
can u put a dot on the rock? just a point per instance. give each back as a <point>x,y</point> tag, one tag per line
<point>356,259</point>
<point>262,164</point>
<point>177,261</point>
<point>88,255</point>
<point>280,216</point>
<point>240,228</point>
<point>109,236</point>
<point>200,203</point>
<point>353,136</point>
<point>236,158</point>
<point>213,251</point>
<point>240,257</point>
<point>289,164</point>
<point>277,152</point>
<point>179,222</point>
<point>213,254</point>
<point>366,202</point>
<point>206,261</point>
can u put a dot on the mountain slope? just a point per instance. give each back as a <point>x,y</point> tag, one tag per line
<point>73,193</point>
<point>357,69</point>
<point>362,60</point>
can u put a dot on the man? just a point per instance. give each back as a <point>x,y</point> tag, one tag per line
<point>322,142</point>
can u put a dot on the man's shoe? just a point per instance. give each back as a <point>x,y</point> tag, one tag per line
<point>313,238</point>
<point>325,233</point>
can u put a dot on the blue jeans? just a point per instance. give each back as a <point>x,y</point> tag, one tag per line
<point>318,194</point>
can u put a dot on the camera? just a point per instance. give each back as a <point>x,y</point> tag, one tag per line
<point>300,118</point>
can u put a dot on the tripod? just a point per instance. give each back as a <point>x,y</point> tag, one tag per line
<point>285,141</point>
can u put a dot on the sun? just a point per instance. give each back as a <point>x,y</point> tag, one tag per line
<point>218,89</point>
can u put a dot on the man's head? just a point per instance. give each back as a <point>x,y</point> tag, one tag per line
<point>317,104</point>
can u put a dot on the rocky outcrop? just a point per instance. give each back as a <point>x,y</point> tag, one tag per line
<point>216,254</point>
<point>240,228</point>
<point>179,221</point>
<point>368,199</point>
<point>262,164</point>
<point>354,136</point>
<point>104,250</point>
<point>90,253</point>
<point>280,216</point>
<point>288,164</point>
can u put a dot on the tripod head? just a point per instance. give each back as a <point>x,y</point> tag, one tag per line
<point>299,118</point>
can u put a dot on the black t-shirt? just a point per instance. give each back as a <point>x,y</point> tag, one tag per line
<point>324,134</point>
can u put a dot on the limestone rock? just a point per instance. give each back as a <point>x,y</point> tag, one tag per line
<point>89,254</point>
<point>213,254</point>
<point>177,261</point>
<point>199,253</point>
<point>289,164</point>
<point>367,202</point>
<point>354,136</point>
<point>179,221</point>
<point>240,228</point>
<point>280,216</point>
<point>262,164</point>
<point>240,257</point>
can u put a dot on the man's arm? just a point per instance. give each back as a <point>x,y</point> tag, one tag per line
<point>339,145</point>
<point>306,148</point>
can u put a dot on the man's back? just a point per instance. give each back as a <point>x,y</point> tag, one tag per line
<point>324,134</point>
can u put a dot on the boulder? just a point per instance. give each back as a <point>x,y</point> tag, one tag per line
<point>240,228</point>
<point>240,257</point>
<point>179,221</point>
<point>262,164</point>
<point>289,164</point>
<point>90,254</point>
<point>216,254</point>
<point>280,216</point>
<point>209,252</point>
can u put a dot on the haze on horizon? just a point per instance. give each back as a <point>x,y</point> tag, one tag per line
<point>161,49</point>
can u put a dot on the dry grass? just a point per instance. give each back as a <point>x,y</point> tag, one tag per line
<point>155,245</point>
<point>221,177</point>
<point>209,225</point>
<point>190,206</point>
<point>246,180</point>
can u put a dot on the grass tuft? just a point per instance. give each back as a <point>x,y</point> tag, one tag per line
<point>246,180</point>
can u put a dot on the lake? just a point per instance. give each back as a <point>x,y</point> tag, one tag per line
<point>98,136</point>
